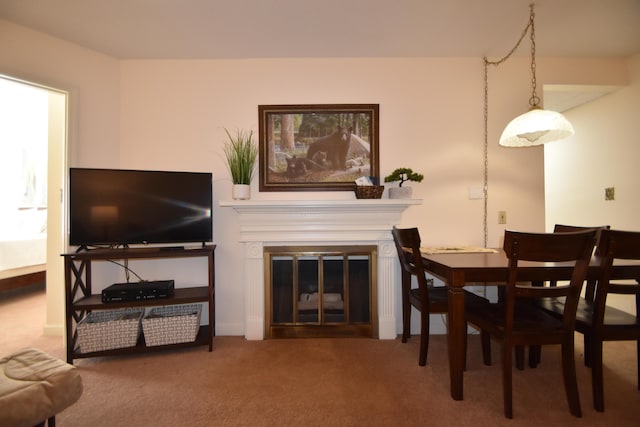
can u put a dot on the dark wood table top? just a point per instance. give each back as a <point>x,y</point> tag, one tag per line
<point>492,267</point>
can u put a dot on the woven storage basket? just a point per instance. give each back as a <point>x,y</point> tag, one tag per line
<point>369,191</point>
<point>172,324</point>
<point>109,329</point>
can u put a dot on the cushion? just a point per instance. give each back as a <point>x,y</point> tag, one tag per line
<point>35,386</point>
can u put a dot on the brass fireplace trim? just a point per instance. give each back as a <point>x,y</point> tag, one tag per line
<point>321,329</point>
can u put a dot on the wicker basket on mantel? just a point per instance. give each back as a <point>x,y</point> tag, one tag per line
<point>369,191</point>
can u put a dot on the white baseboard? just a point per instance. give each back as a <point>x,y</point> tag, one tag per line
<point>53,330</point>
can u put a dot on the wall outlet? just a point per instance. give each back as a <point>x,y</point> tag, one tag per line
<point>502,217</point>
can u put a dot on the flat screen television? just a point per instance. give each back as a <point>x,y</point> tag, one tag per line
<point>112,207</point>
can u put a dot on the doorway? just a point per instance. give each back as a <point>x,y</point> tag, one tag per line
<point>33,147</point>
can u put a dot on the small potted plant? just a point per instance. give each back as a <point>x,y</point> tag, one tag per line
<point>402,175</point>
<point>241,154</point>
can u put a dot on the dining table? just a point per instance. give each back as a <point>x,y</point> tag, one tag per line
<point>458,269</point>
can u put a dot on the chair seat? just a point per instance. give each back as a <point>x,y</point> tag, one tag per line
<point>439,298</point>
<point>613,317</point>
<point>527,317</point>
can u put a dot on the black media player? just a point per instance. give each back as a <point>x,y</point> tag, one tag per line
<point>145,290</point>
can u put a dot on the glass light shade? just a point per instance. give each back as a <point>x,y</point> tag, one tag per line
<point>535,127</point>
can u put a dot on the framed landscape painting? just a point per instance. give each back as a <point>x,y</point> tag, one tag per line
<point>317,147</point>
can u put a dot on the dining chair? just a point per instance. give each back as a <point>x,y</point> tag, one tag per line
<point>426,298</point>
<point>597,320</point>
<point>535,351</point>
<point>516,322</point>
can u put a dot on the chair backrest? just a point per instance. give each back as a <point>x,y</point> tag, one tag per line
<point>590,290</point>
<point>616,244</point>
<point>575,247</point>
<point>407,241</point>
<point>563,228</point>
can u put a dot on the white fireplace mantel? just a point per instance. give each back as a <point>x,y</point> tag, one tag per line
<point>319,222</point>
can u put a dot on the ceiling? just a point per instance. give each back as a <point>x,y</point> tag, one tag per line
<point>200,29</point>
<point>332,28</point>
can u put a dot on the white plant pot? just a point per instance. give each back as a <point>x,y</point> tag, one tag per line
<point>400,192</point>
<point>241,192</point>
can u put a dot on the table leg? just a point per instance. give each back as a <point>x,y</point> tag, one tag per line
<point>456,337</point>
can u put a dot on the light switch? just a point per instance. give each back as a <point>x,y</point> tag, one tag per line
<point>502,217</point>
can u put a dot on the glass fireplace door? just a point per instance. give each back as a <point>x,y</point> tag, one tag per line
<point>320,291</point>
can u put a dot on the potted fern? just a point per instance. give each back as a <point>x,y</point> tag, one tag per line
<point>241,154</point>
<point>403,175</point>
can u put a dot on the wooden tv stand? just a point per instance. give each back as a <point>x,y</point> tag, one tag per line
<point>80,300</point>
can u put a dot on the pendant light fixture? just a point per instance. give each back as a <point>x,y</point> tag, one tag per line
<point>537,126</point>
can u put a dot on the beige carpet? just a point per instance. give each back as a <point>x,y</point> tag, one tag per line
<point>318,382</point>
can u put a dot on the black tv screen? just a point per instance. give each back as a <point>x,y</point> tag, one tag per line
<point>122,207</point>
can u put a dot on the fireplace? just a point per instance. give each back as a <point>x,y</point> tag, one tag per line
<point>324,223</point>
<point>320,291</point>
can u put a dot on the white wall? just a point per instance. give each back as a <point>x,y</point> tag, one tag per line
<point>91,79</point>
<point>164,114</point>
<point>603,153</point>
<point>431,119</point>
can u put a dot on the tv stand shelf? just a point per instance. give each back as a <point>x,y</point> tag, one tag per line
<point>180,296</point>
<point>80,300</point>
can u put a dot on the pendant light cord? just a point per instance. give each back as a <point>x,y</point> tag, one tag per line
<point>533,101</point>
